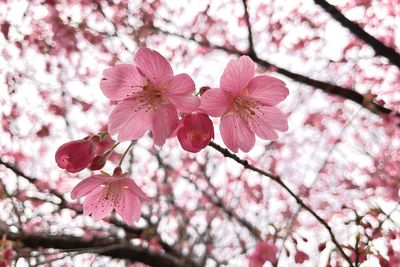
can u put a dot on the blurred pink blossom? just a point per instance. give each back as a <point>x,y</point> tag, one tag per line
<point>265,251</point>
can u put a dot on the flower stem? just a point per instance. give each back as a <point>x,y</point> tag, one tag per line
<point>126,152</point>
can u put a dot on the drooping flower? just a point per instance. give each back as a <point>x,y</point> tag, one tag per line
<point>104,193</point>
<point>265,251</point>
<point>149,96</point>
<point>195,131</point>
<point>76,155</point>
<point>245,104</point>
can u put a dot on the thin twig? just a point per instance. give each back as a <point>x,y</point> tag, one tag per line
<point>279,181</point>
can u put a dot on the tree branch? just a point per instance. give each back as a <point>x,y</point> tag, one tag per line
<point>251,52</point>
<point>103,246</point>
<point>332,89</point>
<point>278,180</point>
<point>379,47</point>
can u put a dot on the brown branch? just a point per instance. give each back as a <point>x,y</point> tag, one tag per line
<point>32,180</point>
<point>216,201</point>
<point>251,51</point>
<point>64,204</point>
<point>329,88</point>
<point>380,48</point>
<point>111,247</point>
<point>279,181</point>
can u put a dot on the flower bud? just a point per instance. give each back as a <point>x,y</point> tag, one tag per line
<point>195,132</point>
<point>98,163</point>
<point>76,155</point>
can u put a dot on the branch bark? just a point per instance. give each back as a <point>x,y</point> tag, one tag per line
<point>329,88</point>
<point>102,246</point>
<point>279,181</point>
<point>380,48</point>
<point>249,30</point>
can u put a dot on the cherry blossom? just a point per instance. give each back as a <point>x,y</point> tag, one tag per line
<point>104,193</point>
<point>194,132</point>
<point>76,155</point>
<point>246,105</point>
<point>149,96</point>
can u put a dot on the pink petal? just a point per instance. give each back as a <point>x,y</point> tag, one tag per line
<point>185,103</point>
<point>102,208</point>
<point>129,207</point>
<point>163,123</point>
<point>237,74</point>
<point>86,186</point>
<point>121,81</point>
<point>179,92</point>
<point>132,186</point>
<point>153,65</point>
<point>266,121</point>
<point>214,102</point>
<point>181,84</point>
<point>129,119</point>
<point>274,117</point>
<point>236,134</point>
<point>270,91</point>
<point>104,201</point>
<point>91,200</point>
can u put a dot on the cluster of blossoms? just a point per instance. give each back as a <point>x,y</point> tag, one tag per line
<point>149,97</point>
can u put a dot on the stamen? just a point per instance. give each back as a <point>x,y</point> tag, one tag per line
<point>246,106</point>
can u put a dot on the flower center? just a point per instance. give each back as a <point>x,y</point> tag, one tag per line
<point>245,106</point>
<point>110,193</point>
<point>150,98</point>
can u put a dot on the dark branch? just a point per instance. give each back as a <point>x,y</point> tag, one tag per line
<point>103,246</point>
<point>251,52</point>
<point>332,89</point>
<point>379,47</point>
<point>278,180</point>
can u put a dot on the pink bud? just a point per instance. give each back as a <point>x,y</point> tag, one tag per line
<point>117,171</point>
<point>98,163</point>
<point>104,144</point>
<point>76,155</point>
<point>195,132</point>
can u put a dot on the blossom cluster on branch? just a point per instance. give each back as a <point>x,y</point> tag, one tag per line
<point>149,97</point>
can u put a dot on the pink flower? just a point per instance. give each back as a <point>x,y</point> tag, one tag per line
<point>76,155</point>
<point>195,131</point>
<point>104,193</point>
<point>150,97</point>
<point>246,105</point>
<point>300,257</point>
<point>264,251</point>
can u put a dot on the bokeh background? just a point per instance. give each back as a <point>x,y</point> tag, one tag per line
<point>340,156</point>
